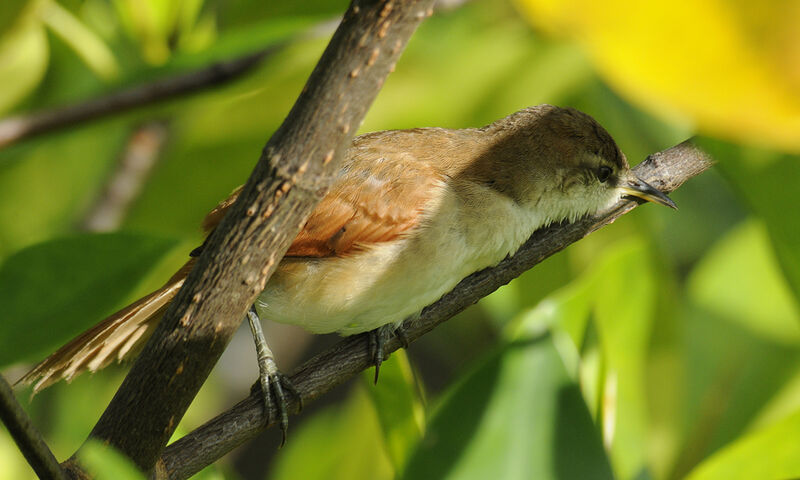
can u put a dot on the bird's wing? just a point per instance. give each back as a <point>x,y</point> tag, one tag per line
<point>375,199</point>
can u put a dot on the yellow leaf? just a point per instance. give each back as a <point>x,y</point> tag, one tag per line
<point>23,61</point>
<point>730,66</point>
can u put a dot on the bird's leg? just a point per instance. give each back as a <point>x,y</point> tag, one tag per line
<point>377,340</point>
<point>273,383</point>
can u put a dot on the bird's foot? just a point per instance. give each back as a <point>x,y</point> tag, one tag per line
<point>377,341</point>
<point>274,385</point>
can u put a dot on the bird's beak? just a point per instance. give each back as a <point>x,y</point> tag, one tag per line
<point>636,187</point>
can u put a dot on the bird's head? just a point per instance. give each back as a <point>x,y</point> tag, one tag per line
<point>565,163</point>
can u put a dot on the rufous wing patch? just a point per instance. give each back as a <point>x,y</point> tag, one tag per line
<point>371,202</point>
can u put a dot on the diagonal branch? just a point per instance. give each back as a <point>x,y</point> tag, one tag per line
<point>295,170</point>
<point>140,155</point>
<point>28,439</point>
<point>665,170</point>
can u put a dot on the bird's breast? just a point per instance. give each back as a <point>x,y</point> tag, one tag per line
<point>387,282</point>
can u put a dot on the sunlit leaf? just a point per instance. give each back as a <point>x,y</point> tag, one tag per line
<point>23,61</point>
<point>620,290</point>
<point>767,453</point>
<point>344,441</point>
<point>519,415</point>
<point>56,289</point>
<point>728,375</point>
<point>766,180</point>
<point>160,26</point>
<point>398,406</point>
<point>103,461</point>
<point>147,22</point>
<point>10,13</point>
<point>733,68</point>
<point>624,311</point>
<point>90,47</point>
<point>740,269</point>
<point>14,464</point>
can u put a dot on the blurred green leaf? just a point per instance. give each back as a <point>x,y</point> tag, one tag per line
<point>14,465</point>
<point>10,13</point>
<point>527,290</point>
<point>769,453</point>
<point>766,180</point>
<point>740,268</point>
<point>566,309</point>
<point>619,289</point>
<point>624,311</point>
<point>150,22</point>
<point>88,45</point>
<point>56,289</point>
<point>739,344</point>
<point>103,461</point>
<point>23,61</point>
<point>234,13</point>
<point>728,375</point>
<point>519,415</point>
<point>245,39</point>
<point>46,184</point>
<point>343,442</point>
<point>398,406</point>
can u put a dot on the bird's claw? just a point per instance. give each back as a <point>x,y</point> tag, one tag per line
<point>274,387</point>
<point>377,341</point>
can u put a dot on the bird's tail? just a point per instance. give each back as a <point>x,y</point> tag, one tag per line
<point>118,336</point>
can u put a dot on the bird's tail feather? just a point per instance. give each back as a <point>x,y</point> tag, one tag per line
<point>118,336</point>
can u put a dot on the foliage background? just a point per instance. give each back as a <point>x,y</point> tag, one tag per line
<point>664,346</point>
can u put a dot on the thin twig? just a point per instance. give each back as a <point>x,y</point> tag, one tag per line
<point>28,439</point>
<point>14,129</point>
<point>138,158</point>
<point>666,170</point>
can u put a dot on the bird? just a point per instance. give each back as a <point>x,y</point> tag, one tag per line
<point>410,214</point>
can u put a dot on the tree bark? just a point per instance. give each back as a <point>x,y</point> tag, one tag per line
<point>27,437</point>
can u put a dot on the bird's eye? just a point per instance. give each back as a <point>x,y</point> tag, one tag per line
<point>603,173</point>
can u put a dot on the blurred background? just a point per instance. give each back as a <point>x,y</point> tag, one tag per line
<point>664,346</point>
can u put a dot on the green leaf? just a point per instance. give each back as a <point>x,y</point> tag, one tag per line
<point>23,61</point>
<point>10,12</point>
<point>398,405</point>
<point>726,377</point>
<point>46,183</point>
<point>86,44</point>
<point>766,180</point>
<point>624,309</point>
<point>519,415</point>
<point>103,461</point>
<point>620,291</point>
<point>56,289</point>
<point>745,255</point>
<point>767,453</point>
<point>342,442</point>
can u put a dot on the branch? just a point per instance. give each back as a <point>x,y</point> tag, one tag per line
<point>140,155</point>
<point>295,170</point>
<point>666,171</point>
<point>14,129</point>
<point>26,436</point>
